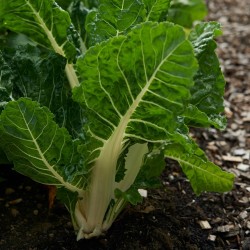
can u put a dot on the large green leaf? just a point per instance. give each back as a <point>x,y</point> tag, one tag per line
<point>78,13</point>
<point>38,147</point>
<point>157,9</point>
<point>43,21</point>
<point>44,81</point>
<point>185,12</point>
<point>113,18</point>
<point>3,159</point>
<point>203,174</point>
<point>6,82</point>
<point>134,87</point>
<point>196,118</point>
<point>207,94</point>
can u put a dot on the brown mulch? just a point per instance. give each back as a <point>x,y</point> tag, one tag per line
<point>171,217</point>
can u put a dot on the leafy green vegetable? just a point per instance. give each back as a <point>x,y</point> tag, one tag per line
<point>113,18</point>
<point>46,69</point>
<point>206,101</point>
<point>38,147</point>
<point>185,12</point>
<point>203,175</point>
<point>101,94</point>
<point>46,23</point>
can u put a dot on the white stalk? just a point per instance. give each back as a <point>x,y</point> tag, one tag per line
<point>71,75</point>
<point>103,181</point>
<point>133,164</point>
<point>102,186</point>
<point>70,72</point>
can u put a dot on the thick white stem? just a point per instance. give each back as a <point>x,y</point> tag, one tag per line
<point>71,75</point>
<point>102,185</point>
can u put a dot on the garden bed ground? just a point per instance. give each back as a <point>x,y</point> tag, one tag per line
<point>171,217</point>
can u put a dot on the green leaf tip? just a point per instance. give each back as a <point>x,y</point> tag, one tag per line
<point>202,174</point>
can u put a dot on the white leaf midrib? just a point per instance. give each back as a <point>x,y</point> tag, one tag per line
<point>58,49</point>
<point>131,110</point>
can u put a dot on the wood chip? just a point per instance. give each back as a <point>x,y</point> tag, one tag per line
<point>9,191</point>
<point>216,220</point>
<point>246,119</point>
<point>148,209</point>
<point>239,152</point>
<point>35,212</point>
<point>213,148</point>
<point>225,228</point>
<point>244,200</point>
<point>229,230</point>
<point>246,156</point>
<point>228,112</point>
<point>231,158</point>
<point>211,237</point>
<point>243,167</point>
<point>143,192</point>
<point>245,176</point>
<point>16,201</point>
<point>14,212</point>
<point>243,215</point>
<point>204,224</point>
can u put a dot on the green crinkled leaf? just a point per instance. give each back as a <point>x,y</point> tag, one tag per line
<point>208,91</point>
<point>43,21</point>
<point>113,18</point>
<point>6,82</point>
<point>144,81</point>
<point>196,118</point>
<point>185,12</point>
<point>203,174</point>
<point>38,147</point>
<point>44,81</point>
<point>78,13</point>
<point>157,9</point>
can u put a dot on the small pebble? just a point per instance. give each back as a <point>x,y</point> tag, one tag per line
<point>14,212</point>
<point>35,212</point>
<point>234,126</point>
<point>9,191</point>
<point>28,188</point>
<point>16,201</point>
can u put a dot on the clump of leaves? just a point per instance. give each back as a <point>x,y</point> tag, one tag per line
<point>95,96</point>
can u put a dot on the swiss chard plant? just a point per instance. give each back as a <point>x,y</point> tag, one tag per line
<point>94,96</point>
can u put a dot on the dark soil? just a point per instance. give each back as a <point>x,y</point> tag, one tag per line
<point>171,217</point>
